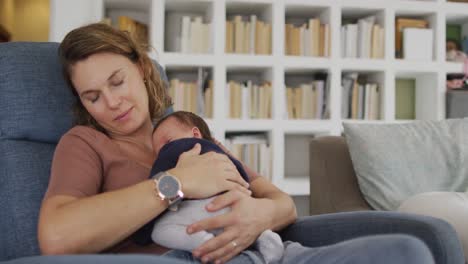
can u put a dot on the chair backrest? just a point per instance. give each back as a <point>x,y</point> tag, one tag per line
<point>35,111</point>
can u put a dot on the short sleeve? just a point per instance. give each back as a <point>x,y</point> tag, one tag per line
<point>76,168</point>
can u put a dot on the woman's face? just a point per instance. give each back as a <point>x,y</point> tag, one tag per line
<point>112,89</point>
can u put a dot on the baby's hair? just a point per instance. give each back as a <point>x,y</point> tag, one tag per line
<point>188,119</point>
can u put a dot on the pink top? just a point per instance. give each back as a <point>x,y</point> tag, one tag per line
<point>86,162</point>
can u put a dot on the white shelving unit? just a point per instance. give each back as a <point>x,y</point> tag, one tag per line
<point>285,134</point>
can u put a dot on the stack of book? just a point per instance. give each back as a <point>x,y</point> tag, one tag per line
<point>364,39</point>
<point>360,100</point>
<point>253,150</point>
<point>187,33</point>
<point>248,35</point>
<point>402,23</point>
<point>138,30</point>
<point>193,96</point>
<point>308,100</point>
<point>308,39</point>
<point>248,100</point>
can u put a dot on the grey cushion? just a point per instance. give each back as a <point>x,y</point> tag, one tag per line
<point>35,102</point>
<point>395,161</point>
<point>25,169</point>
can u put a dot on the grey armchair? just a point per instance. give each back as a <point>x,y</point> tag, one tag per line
<point>34,113</point>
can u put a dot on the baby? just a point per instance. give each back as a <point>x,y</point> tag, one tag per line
<point>173,135</point>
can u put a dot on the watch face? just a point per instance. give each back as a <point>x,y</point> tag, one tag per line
<point>168,186</point>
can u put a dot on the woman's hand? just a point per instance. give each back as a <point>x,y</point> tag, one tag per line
<point>247,219</point>
<point>208,174</point>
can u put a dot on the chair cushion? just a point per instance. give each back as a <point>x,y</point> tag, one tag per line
<point>396,161</point>
<point>35,102</point>
<point>24,175</point>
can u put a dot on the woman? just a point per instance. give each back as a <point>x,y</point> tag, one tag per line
<point>99,194</point>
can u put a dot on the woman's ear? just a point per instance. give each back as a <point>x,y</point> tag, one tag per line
<point>196,132</point>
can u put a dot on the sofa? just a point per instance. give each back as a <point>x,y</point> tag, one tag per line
<point>380,166</point>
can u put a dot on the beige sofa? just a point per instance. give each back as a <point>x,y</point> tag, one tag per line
<point>334,188</point>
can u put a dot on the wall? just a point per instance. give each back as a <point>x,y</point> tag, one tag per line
<point>27,20</point>
<point>66,15</point>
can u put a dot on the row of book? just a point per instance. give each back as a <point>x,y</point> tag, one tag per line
<point>308,100</point>
<point>253,150</point>
<point>364,39</point>
<point>248,34</point>
<point>187,33</point>
<point>137,29</point>
<point>194,96</point>
<point>360,99</point>
<point>247,100</point>
<point>307,39</point>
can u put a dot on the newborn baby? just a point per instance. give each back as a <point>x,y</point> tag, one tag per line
<point>172,136</point>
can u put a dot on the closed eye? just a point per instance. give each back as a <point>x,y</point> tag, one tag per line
<point>94,98</point>
<point>118,83</point>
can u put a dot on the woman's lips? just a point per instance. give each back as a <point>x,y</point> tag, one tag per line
<point>122,116</point>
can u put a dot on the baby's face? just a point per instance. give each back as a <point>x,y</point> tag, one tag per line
<point>170,130</point>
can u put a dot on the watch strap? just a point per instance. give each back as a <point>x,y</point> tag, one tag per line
<point>174,204</point>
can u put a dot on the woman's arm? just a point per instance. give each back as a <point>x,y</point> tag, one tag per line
<point>88,225</point>
<point>70,225</point>
<point>282,210</point>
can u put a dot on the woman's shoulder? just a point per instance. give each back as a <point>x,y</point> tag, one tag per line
<point>85,134</point>
<point>84,131</point>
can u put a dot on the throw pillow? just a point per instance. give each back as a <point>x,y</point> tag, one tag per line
<point>395,161</point>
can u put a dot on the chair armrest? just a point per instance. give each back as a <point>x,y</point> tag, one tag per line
<point>333,183</point>
<point>96,259</point>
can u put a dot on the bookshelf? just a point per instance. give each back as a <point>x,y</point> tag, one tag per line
<point>289,170</point>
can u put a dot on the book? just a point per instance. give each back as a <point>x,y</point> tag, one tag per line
<point>417,44</point>
<point>405,97</point>
<point>229,37</point>
<point>365,36</point>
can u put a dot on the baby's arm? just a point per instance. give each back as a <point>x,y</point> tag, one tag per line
<point>170,229</point>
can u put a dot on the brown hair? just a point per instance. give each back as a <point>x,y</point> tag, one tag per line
<point>189,119</point>
<point>88,40</point>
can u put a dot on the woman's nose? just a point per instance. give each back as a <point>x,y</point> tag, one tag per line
<point>113,100</point>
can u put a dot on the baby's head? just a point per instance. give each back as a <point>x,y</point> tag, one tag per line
<point>180,124</point>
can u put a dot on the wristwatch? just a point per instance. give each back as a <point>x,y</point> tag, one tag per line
<point>168,188</point>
